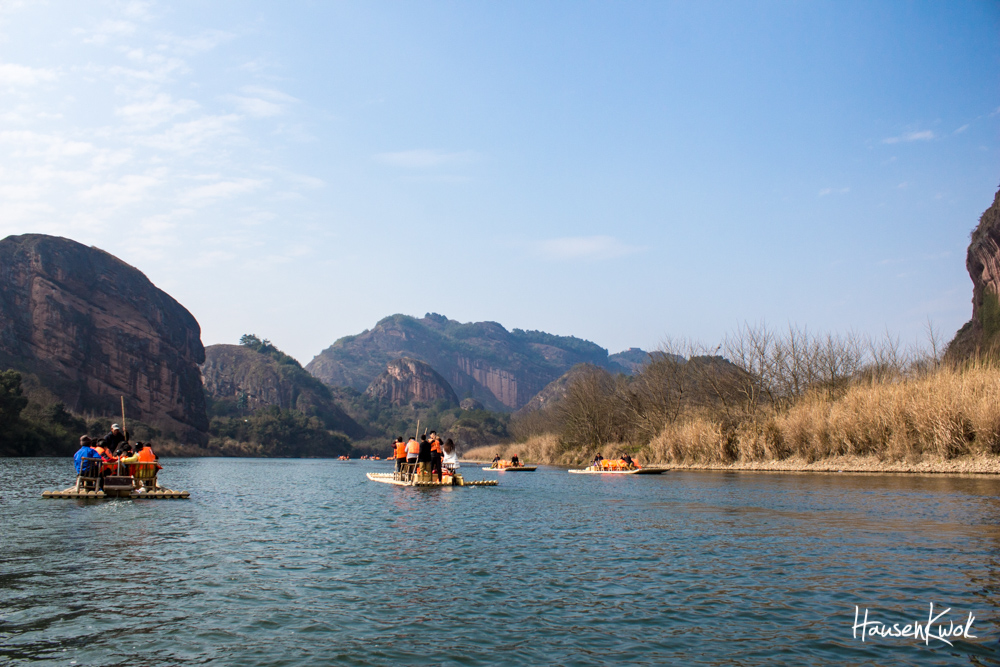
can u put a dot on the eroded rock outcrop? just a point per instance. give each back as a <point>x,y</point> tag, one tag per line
<point>408,381</point>
<point>981,334</point>
<point>92,329</point>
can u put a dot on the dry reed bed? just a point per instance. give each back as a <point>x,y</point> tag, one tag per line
<point>947,421</point>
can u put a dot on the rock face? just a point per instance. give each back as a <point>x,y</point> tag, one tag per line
<point>554,391</point>
<point>980,334</point>
<point>239,373</point>
<point>481,360</point>
<point>408,381</point>
<point>92,329</point>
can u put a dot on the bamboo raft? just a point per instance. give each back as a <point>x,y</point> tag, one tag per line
<point>398,479</point>
<point>513,469</point>
<point>649,470</point>
<point>159,494</point>
<point>140,485</point>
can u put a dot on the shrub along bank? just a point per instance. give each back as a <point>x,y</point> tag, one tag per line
<point>792,398</point>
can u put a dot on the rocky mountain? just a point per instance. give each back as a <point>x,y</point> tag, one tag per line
<point>982,260</point>
<point>247,379</point>
<point>481,360</point>
<point>91,328</point>
<point>554,391</point>
<point>407,381</point>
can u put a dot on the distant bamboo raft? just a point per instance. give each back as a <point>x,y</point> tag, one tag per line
<point>510,468</point>
<point>647,470</point>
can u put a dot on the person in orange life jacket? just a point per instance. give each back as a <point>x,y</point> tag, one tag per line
<point>145,456</point>
<point>107,467</point>
<point>412,451</point>
<point>399,453</point>
<point>436,455</point>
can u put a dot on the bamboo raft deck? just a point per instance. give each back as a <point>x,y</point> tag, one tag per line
<point>649,470</point>
<point>159,494</point>
<point>396,480</point>
<point>513,469</point>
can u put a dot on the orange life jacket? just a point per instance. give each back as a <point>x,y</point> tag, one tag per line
<point>436,446</point>
<point>412,447</point>
<point>401,450</point>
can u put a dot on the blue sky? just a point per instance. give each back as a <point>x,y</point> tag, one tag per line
<point>618,171</point>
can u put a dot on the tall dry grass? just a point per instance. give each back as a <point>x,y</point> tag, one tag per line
<point>946,413</point>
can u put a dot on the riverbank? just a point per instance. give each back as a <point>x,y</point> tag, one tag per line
<point>545,451</point>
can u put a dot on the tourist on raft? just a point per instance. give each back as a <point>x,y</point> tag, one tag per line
<point>424,454</point>
<point>412,451</point>
<point>628,461</point>
<point>115,439</point>
<point>515,462</point>
<point>399,453</point>
<point>86,468</point>
<point>144,456</point>
<point>597,460</point>
<point>436,455</point>
<point>450,459</point>
<point>496,461</point>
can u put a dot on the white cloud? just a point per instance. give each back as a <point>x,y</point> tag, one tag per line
<point>22,75</point>
<point>50,146</point>
<point>105,30</point>
<point>583,247</point>
<point>155,111</point>
<point>923,135</point>
<point>126,190</point>
<point>206,194</point>
<point>962,129</point>
<point>192,135</point>
<point>261,102</point>
<point>833,191</point>
<point>422,158</point>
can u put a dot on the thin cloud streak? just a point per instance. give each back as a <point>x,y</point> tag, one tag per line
<point>923,135</point>
<point>583,247</point>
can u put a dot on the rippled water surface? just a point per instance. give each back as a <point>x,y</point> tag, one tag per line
<point>306,562</point>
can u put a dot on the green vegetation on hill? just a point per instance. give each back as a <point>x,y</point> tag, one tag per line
<point>35,425</point>
<point>313,428</point>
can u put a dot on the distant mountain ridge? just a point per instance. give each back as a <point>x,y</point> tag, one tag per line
<point>482,360</point>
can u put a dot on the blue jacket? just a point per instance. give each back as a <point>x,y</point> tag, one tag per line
<point>85,452</point>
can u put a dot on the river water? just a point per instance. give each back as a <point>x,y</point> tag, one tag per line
<point>304,562</point>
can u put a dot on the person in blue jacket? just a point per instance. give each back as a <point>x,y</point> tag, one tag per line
<point>85,452</point>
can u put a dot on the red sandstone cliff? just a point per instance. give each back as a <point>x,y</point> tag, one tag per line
<point>93,328</point>
<point>980,334</point>
<point>407,381</point>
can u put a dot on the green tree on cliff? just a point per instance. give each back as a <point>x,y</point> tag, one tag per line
<point>12,402</point>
